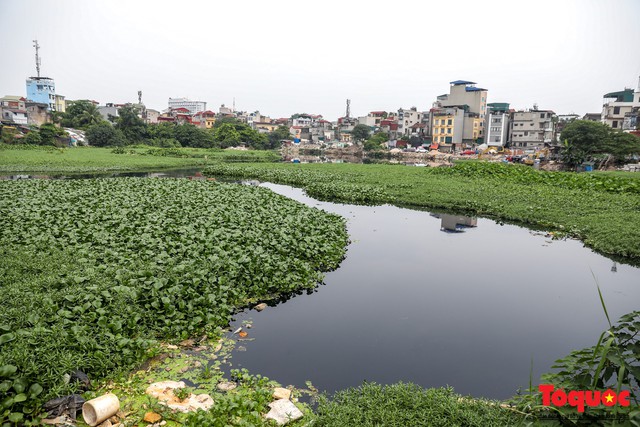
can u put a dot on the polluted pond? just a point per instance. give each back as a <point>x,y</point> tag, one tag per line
<point>437,300</point>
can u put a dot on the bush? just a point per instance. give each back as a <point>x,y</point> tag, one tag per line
<point>104,134</point>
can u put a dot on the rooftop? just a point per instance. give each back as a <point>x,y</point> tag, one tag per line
<point>625,95</point>
<point>461,82</point>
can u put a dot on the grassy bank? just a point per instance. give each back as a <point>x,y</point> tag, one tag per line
<point>93,159</point>
<point>603,211</point>
<point>94,272</point>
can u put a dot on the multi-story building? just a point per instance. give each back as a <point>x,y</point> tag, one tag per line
<point>465,106</point>
<point>192,106</point>
<point>152,116</point>
<point>496,128</point>
<point>408,118</point>
<point>13,110</point>
<point>532,129</point>
<point>620,107</point>
<point>61,104</point>
<point>447,127</point>
<point>43,91</point>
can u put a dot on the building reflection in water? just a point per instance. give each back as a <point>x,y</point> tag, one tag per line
<point>455,223</point>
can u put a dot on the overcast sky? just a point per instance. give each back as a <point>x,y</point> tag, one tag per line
<point>283,57</point>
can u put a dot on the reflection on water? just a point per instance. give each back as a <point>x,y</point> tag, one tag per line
<point>455,223</point>
<point>409,303</point>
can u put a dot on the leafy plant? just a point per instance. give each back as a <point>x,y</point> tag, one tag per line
<point>94,272</point>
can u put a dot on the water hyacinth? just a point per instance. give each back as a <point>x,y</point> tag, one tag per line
<point>94,272</point>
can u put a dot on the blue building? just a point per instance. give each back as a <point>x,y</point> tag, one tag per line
<point>42,90</point>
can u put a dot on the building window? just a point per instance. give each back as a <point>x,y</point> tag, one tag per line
<point>616,110</point>
<point>449,131</point>
<point>449,122</point>
<point>614,124</point>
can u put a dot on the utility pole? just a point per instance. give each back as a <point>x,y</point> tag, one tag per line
<point>37,46</point>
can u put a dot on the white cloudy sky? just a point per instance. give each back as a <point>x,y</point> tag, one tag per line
<point>282,57</point>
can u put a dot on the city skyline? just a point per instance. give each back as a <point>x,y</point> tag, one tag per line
<point>283,58</point>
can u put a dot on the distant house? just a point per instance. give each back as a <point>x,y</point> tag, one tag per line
<point>152,116</point>
<point>265,126</point>
<point>13,110</point>
<point>204,119</point>
<point>621,108</point>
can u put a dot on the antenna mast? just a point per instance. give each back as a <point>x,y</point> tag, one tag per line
<point>37,46</point>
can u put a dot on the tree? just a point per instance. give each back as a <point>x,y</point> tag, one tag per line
<point>230,131</point>
<point>586,140</point>
<point>226,135</point>
<point>226,120</point>
<point>360,132</point>
<point>276,137</point>
<point>375,142</point>
<point>104,134</point>
<point>48,133</point>
<point>162,135</point>
<point>33,138</point>
<point>132,126</point>
<point>622,145</point>
<point>189,135</point>
<point>81,114</point>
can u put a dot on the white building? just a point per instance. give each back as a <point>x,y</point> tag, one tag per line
<point>13,109</point>
<point>620,108</point>
<point>192,106</point>
<point>408,118</point>
<point>496,126</point>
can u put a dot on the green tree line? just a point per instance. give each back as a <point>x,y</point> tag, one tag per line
<point>127,128</point>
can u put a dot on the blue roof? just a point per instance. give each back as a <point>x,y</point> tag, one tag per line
<point>473,89</point>
<point>461,82</point>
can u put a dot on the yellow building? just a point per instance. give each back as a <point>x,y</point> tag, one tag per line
<point>443,127</point>
<point>60,104</point>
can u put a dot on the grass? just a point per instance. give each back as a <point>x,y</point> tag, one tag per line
<point>602,212</point>
<point>93,273</point>
<point>401,405</point>
<point>94,159</point>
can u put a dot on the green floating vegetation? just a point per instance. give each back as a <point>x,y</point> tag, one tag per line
<point>94,272</point>
<point>402,404</point>
<point>602,210</point>
<point>31,158</point>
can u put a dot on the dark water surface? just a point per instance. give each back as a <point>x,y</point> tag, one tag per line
<point>412,303</point>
